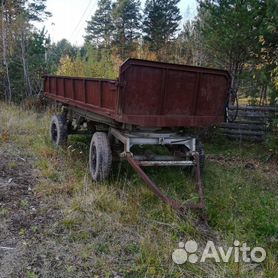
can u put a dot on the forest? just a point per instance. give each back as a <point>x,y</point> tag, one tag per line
<point>239,36</point>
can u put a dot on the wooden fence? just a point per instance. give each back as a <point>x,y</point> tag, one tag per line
<point>252,122</point>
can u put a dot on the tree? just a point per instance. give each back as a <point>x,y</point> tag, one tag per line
<point>71,67</point>
<point>188,46</point>
<point>230,31</point>
<point>16,31</point>
<point>268,53</point>
<point>56,51</point>
<point>93,62</point>
<point>127,21</point>
<point>161,22</point>
<point>36,10</point>
<point>36,55</point>
<point>4,31</point>
<point>242,36</point>
<point>274,97</point>
<point>100,28</point>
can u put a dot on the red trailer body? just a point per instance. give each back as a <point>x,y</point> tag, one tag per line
<point>148,94</point>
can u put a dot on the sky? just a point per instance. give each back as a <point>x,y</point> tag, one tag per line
<point>69,18</point>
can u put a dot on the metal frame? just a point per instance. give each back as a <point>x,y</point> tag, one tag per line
<point>130,139</point>
<point>153,137</point>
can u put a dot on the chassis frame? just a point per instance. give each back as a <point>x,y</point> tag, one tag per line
<point>130,137</point>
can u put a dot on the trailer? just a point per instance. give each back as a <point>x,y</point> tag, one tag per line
<point>150,104</point>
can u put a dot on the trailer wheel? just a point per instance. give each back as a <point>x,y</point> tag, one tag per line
<point>100,157</point>
<point>58,130</point>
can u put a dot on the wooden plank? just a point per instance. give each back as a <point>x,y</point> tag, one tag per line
<point>243,132</point>
<point>250,123</point>
<point>242,121</point>
<point>256,108</point>
<point>246,138</point>
<point>249,114</point>
<point>241,118</point>
<point>243,126</point>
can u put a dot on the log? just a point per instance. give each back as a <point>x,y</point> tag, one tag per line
<point>249,126</point>
<point>256,108</point>
<point>246,138</point>
<point>243,132</point>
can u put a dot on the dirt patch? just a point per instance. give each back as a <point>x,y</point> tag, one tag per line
<point>22,217</point>
<point>17,209</point>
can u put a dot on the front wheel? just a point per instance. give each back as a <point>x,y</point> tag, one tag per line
<point>100,157</point>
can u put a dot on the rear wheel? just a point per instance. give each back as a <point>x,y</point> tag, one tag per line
<point>58,130</point>
<point>100,157</point>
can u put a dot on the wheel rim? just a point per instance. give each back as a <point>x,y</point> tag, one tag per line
<point>54,132</point>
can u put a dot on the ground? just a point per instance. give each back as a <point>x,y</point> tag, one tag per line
<point>56,222</point>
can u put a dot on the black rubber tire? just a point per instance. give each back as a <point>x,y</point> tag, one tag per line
<point>58,130</point>
<point>100,157</point>
<point>200,149</point>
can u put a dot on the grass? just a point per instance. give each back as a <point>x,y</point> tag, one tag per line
<point>121,228</point>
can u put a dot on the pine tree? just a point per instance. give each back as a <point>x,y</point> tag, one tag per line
<point>161,22</point>
<point>230,31</point>
<point>127,21</point>
<point>100,27</point>
<point>36,10</point>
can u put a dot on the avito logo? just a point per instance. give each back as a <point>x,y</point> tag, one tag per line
<point>241,252</point>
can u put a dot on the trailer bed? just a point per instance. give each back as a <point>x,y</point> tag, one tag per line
<point>148,94</point>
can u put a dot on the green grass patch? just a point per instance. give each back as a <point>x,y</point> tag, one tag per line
<point>122,227</point>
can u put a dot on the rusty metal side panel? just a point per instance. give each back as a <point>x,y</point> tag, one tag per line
<point>109,95</point>
<point>60,87</point>
<point>179,99</point>
<point>142,91</point>
<point>69,90</point>
<point>79,90</point>
<point>94,95</point>
<point>212,95</point>
<point>169,95</point>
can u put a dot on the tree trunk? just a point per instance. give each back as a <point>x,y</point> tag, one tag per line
<point>25,66</point>
<point>8,91</point>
